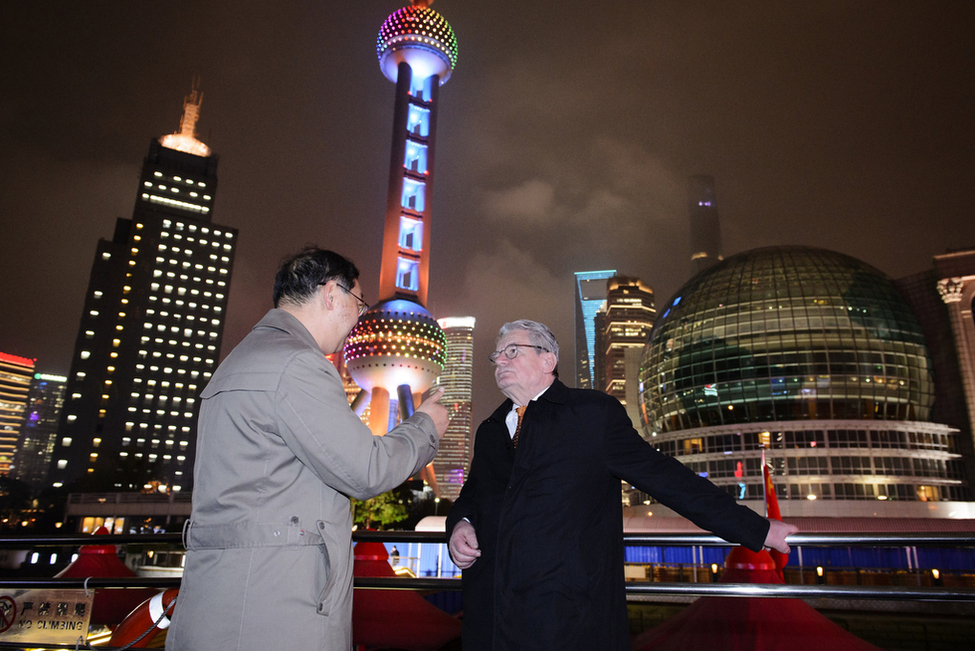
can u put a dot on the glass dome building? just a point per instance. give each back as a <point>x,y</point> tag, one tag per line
<point>810,357</point>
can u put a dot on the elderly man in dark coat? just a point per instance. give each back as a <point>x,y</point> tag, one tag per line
<point>538,527</point>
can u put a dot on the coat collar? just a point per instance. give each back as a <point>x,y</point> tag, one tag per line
<point>286,322</point>
<point>557,393</point>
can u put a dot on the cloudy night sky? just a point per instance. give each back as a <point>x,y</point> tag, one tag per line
<point>565,138</point>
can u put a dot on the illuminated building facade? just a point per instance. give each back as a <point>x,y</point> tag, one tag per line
<point>397,348</point>
<point>151,329</point>
<point>943,298</point>
<point>590,295</point>
<point>15,377</point>
<point>812,358</point>
<point>622,324</point>
<point>454,458</point>
<point>33,457</point>
<point>705,233</point>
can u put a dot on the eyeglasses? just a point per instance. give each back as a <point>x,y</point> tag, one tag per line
<point>363,306</point>
<point>511,351</point>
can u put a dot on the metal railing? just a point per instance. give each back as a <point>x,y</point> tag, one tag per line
<point>633,588</point>
<point>811,591</point>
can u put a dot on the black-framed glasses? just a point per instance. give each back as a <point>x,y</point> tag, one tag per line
<point>511,351</point>
<point>363,306</point>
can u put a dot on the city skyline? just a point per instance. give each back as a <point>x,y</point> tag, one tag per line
<point>818,131</point>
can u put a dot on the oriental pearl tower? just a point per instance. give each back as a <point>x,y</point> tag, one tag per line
<point>397,347</point>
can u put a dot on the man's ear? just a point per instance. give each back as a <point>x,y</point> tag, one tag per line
<point>327,294</point>
<point>551,363</point>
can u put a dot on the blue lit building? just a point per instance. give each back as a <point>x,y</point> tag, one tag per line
<point>39,432</point>
<point>590,295</point>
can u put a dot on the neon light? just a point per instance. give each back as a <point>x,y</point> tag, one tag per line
<point>14,359</point>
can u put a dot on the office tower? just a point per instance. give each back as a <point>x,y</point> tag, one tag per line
<point>39,432</point>
<point>814,359</point>
<point>942,298</point>
<point>705,227</point>
<point>151,328</point>
<point>590,294</point>
<point>397,348</point>
<point>622,324</point>
<point>15,376</point>
<point>453,459</point>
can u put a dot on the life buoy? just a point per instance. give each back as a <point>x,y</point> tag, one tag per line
<point>147,620</point>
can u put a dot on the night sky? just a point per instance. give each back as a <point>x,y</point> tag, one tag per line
<point>565,138</point>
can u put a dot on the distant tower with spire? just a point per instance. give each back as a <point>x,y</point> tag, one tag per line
<point>397,348</point>
<point>705,228</point>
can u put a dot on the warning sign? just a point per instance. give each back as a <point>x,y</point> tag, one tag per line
<point>45,616</point>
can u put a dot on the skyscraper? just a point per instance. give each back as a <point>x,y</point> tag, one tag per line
<point>942,298</point>
<point>33,457</point>
<point>454,458</point>
<point>151,328</point>
<point>590,294</point>
<point>705,228</point>
<point>15,377</point>
<point>622,325</point>
<point>397,348</point>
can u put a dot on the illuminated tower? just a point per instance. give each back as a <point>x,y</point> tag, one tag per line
<point>590,294</point>
<point>44,402</point>
<point>454,458</point>
<point>622,326</point>
<point>397,347</point>
<point>15,376</point>
<point>150,332</point>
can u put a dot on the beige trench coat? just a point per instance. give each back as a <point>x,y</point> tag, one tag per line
<point>269,560</point>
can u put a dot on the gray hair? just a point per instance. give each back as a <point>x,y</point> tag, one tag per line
<point>538,333</point>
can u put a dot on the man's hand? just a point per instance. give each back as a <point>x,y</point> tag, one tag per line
<point>463,545</point>
<point>432,408</point>
<point>777,532</point>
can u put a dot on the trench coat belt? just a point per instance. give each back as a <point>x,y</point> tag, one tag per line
<point>242,535</point>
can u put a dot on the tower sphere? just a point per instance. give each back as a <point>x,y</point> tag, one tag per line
<point>422,38</point>
<point>396,342</point>
<point>785,334</point>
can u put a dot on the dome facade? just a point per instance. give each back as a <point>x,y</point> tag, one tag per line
<point>807,360</point>
<point>785,333</point>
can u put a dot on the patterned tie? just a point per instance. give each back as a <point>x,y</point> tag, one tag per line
<point>521,413</point>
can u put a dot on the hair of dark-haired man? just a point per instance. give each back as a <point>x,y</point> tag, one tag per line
<point>302,274</point>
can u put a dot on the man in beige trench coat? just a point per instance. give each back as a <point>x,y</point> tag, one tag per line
<point>279,453</point>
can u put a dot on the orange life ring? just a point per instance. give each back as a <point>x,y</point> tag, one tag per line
<point>148,619</point>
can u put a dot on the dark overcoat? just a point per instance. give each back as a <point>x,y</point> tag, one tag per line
<point>549,523</point>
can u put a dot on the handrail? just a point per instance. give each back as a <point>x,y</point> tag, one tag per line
<point>632,587</point>
<point>719,589</point>
<point>926,539</point>
<point>71,540</point>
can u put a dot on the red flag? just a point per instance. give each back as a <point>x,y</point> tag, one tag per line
<point>772,512</point>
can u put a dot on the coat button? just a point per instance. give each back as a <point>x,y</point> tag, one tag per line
<point>277,533</point>
<point>294,519</point>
